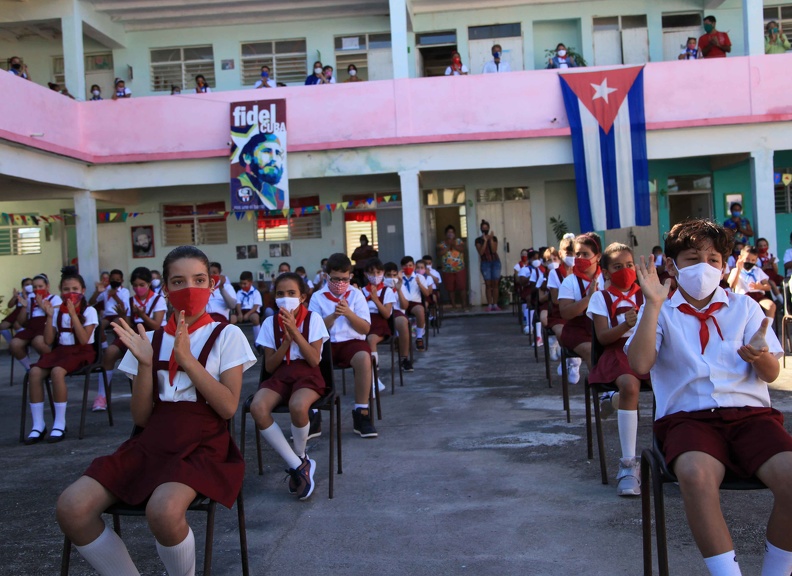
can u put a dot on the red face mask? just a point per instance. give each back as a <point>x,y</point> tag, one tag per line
<point>408,270</point>
<point>190,300</point>
<point>141,291</point>
<point>43,292</point>
<point>583,264</point>
<point>624,278</point>
<point>74,297</point>
<point>216,279</point>
<point>524,258</point>
<point>762,251</point>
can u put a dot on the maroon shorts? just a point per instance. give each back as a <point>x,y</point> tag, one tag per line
<point>612,364</point>
<point>742,439</point>
<point>70,358</point>
<point>398,314</point>
<point>455,280</point>
<point>412,306</point>
<point>379,326</point>
<point>574,334</point>
<point>11,318</point>
<point>296,375</point>
<point>343,352</point>
<point>33,327</point>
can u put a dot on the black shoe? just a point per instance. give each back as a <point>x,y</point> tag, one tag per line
<point>35,439</point>
<point>316,424</point>
<point>406,365</point>
<point>419,345</point>
<point>361,423</point>
<point>55,439</point>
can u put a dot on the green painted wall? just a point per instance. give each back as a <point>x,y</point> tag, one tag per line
<point>782,160</point>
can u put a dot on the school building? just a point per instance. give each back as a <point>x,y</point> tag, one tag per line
<point>411,149</point>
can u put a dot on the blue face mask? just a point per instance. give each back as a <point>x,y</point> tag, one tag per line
<point>496,54</point>
<point>736,213</point>
<point>265,74</point>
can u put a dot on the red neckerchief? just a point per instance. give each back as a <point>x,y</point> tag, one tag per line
<point>562,271</point>
<point>586,278</point>
<point>379,288</point>
<point>333,298</point>
<point>702,317</point>
<point>302,312</point>
<point>170,328</point>
<point>620,297</point>
<point>149,296</point>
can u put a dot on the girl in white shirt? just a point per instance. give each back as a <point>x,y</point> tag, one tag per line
<point>33,320</point>
<point>222,303</point>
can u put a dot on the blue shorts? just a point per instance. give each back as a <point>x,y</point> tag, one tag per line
<point>491,270</point>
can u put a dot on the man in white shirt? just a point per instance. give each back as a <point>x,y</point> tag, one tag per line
<point>265,81</point>
<point>496,65</point>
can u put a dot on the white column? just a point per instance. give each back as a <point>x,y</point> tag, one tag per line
<point>73,53</point>
<point>411,212</point>
<point>763,188</point>
<point>753,27</point>
<point>87,241</point>
<point>399,24</point>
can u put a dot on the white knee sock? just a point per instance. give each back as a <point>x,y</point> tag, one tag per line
<point>300,439</point>
<point>6,334</point>
<point>777,562</point>
<point>723,564</point>
<point>275,438</point>
<point>25,363</point>
<point>60,416</point>
<point>525,313</point>
<point>628,432</point>
<point>179,560</point>
<point>419,332</point>
<point>530,316</point>
<point>37,412</point>
<point>256,330</point>
<point>102,391</point>
<point>108,555</point>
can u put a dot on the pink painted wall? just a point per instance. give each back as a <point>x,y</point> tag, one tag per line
<point>517,105</point>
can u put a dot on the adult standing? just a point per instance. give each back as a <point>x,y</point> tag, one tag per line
<point>451,252</point>
<point>487,247</point>
<point>362,255</point>
<point>741,226</point>
<point>456,68</point>
<point>496,65</point>
<point>714,44</point>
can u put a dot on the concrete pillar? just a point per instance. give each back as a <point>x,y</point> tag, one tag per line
<point>87,240</point>
<point>73,53</point>
<point>411,212</point>
<point>763,188</point>
<point>399,24</point>
<point>753,27</point>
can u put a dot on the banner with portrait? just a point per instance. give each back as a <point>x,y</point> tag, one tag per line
<point>259,175</point>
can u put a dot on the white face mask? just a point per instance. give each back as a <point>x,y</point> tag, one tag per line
<point>553,265</point>
<point>562,53</point>
<point>375,280</point>
<point>287,303</point>
<point>536,263</point>
<point>698,281</point>
<point>317,70</point>
<point>29,289</point>
<point>569,261</point>
<point>155,282</point>
<point>95,92</point>
<point>388,282</point>
<point>353,72</point>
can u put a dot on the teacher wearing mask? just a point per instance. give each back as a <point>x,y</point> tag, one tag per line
<point>741,226</point>
<point>487,247</point>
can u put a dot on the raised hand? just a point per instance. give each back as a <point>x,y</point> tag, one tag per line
<point>136,342</point>
<point>593,287</point>
<point>120,309</point>
<point>70,308</point>
<point>181,345</point>
<point>289,323</point>
<point>46,306</point>
<point>374,295</point>
<point>651,287</point>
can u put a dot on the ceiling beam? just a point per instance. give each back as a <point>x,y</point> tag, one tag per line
<point>429,6</point>
<point>112,6</point>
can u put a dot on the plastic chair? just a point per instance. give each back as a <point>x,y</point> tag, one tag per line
<point>329,402</point>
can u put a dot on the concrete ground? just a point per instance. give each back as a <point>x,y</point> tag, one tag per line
<point>475,471</point>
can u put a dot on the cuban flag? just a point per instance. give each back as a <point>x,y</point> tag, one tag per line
<point>606,115</point>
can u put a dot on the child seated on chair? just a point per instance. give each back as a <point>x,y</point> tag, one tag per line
<point>222,302</point>
<point>15,304</point>
<point>747,278</point>
<point>186,381</point>
<point>552,261</point>
<point>292,343</point>
<point>555,277</point>
<point>414,289</point>
<point>400,322</point>
<point>248,303</point>
<point>33,320</point>
<point>380,299</point>
<point>436,276</point>
<point>429,281</point>
<point>347,318</point>
<point>614,312</point>
<point>73,322</point>
<point>711,356</point>
<point>113,301</point>
<point>528,279</point>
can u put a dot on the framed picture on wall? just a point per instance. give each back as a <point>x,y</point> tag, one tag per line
<point>252,251</point>
<point>142,241</point>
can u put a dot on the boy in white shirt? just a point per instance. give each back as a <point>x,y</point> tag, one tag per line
<point>347,318</point>
<point>300,271</point>
<point>248,303</point>
<point>400,322</point>
<point>222,303</point>
<point>113,302</point>
<point>749,279</point>
<point>380,299</point>
<point>415,289</point>
<point>710,356</point>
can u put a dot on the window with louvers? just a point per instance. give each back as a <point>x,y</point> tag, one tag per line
<point>19,240</point>
<point>194,224</point>
<point>280,229</point>
<point>180,66</point>
<point>287,60</point>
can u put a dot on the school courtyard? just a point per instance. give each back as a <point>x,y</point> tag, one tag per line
<point>475,471</point>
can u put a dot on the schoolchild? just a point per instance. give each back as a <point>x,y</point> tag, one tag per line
<point>33,320</point>
<point>566,254</point>
<point>749,279</point>
<point>248,302</point>
<point>711,356</point>
<point>573,299</point>
<point>222,302</point>
<point>72,323</point>
<point>414,289</point>
<point>769,264</point>
<point>187,379</point>
<point>309,286</point>
<point>394,282</point>
<point>156,281</point>
<point>347,319</point>
<point>438,278</point>
<point>113,301</point>
<point>16,302</point>
<point>614,312</point>
<point>529,278</point>
<point>292,343</point>
<point>380,299</point>
<point>320,280</point>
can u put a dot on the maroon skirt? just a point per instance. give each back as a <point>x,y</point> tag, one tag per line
<point>70,358</point>
<point>296,375</point>
<point>185,442</point>
<point>33,327</point>
<point>11,318</point>
<point>612,364</point>
<point>343,352</point>
<point>576,332</point>
<point>379,326</point>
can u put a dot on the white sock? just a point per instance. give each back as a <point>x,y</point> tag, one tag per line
<point>25,363</point>
<point>7,335</point>
<point>628,432</point>
<point>723,564</point>
<point>102,391</point>
<point>300,439</point>
<point>275,438</point>
<point>419,332</point>
<point>530,316</point>
<point>553,341</point>
<point>108,555</point>
<point>179,560</point>
<point>37,412</point>
<point>538,330</point>
<point>361,406</point>
<point>256,330</point>
<point>60,416</point>
<point>777,562</point>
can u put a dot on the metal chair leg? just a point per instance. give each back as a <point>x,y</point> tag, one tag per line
<point>646,514</point>
<point>600,439</point>
<point>243,547</point>
<point>589,440</point>
<point>65,556</point>
<point>210,516</point>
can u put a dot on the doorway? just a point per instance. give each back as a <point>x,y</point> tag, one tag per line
<point>444,207</point>
<point>689,197</point>
<point>434,51</point>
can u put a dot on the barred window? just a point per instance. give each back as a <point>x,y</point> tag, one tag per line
<point>19,239</point>
<point>93,63</point>
<point>193,224</point>
<point>282,229</point>
<point>287,60</point>
<point>180,66</point>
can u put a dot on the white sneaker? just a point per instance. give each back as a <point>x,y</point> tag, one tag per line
<point>606,405</point>
<point>527,330</point>
<point>559,371</point>
<point>629,477</point>
<point>573,370</point>
<point>380,385</point>
<point>555,349</point>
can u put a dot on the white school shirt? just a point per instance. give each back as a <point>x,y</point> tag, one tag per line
<point>554,279</point>
<point>68,338</point>
<point>260,83</point>
<point>533,274</point>
<point>449,71</point>
<point>429,282</point>
<point>54,299</point>
<point>247,300</point>
<point>230,349</point>
<point>217,304</point>
<point>123,93</point>
<point>412,291</point>
<point>756,274</point>
<point>684,379</point>
<point>570,288</point>
<point>320,280</point>
<point>492,68</point>
<point>731,262</point>
<point>151,307</point>
<point>389,298</point>
<point>438,279</point>
<point>316,330</point>
<point>341,330</point>
<point>308,283</point>
<point>598,306</point>
<point>109,308</point>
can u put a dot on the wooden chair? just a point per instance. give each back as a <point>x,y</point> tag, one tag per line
<point>94,368</point>
<point>330,402</point>
<point>200,504</point>
<point>654,474</point>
